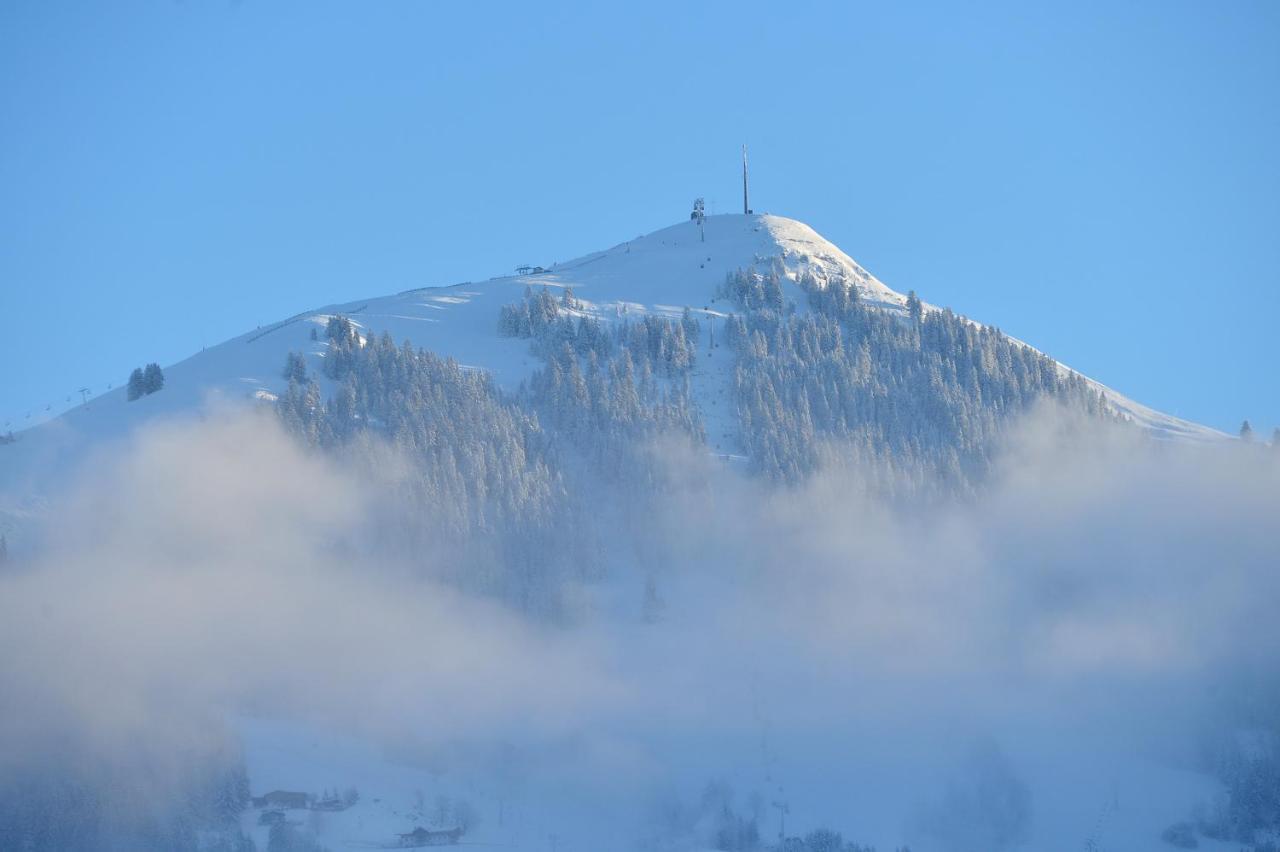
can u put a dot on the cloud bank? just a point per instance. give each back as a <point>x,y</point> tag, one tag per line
<point>1104,588</point>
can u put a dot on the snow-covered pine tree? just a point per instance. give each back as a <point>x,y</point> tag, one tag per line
<point>691,327</point>
<point>152,378</point>
<point>915,309</point>
<point>295,367</point>
<point>137,386</point>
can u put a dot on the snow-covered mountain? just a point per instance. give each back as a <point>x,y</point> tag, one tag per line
<point>659,273</point>
<point>682,267</point>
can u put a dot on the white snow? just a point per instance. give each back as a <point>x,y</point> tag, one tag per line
<point>1081,790</point>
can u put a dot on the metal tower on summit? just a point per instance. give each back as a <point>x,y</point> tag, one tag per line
<point>746,208</point>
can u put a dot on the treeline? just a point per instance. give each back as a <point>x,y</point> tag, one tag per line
<point>717,821</point>
<point>506,489</point>
<point>667,347</point>
<point>606,410</point>
<point>1250,810</point>
<point>483,495</point>
<point>925,393</point>
<point>615,398</point>
<point>73,805</point>
<point>607,389</point>
<point>824,840</point>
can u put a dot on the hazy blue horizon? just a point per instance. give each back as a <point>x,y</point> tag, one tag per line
<point>1098,182</point>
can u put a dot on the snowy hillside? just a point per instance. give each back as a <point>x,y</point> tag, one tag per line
<point>659,273</point>
<point>555,618</point>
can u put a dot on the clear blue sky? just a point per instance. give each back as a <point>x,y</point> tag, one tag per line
<point>1101,180</point>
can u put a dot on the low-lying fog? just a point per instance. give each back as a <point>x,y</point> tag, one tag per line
<point>1067,651</point>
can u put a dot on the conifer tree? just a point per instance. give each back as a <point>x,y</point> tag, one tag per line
<point>295,367</point>
<point>915,309</point>
<point>137,385</point>
<point>152,378</point>
<point>690,325</point>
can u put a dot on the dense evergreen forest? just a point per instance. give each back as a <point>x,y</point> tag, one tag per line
<point>924,395</point>
<point>69,805</point>
<point>498,481</point>
<point>917,401</point>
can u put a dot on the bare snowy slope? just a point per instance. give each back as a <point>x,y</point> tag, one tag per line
<point>660,273</point>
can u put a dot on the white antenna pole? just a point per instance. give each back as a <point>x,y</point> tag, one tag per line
<point>746,208</point>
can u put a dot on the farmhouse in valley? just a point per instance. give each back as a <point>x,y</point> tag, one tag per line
<point>430,837</point>
<point>282,799</point>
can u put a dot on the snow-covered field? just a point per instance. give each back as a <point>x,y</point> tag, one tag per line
<point>1081,792</point>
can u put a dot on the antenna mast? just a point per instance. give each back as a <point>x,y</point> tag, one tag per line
<point>746,209</point>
